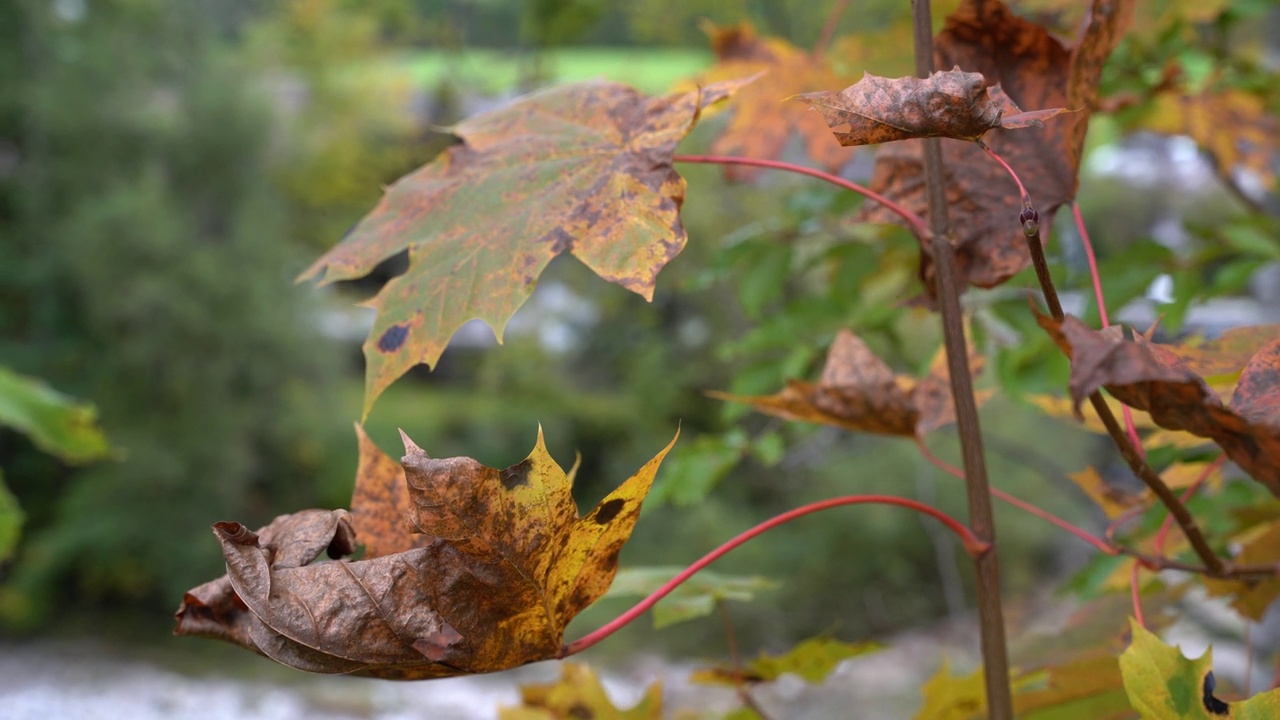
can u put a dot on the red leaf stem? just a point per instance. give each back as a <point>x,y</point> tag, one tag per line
<point>915,221</point>
<point>972,544</point>
<point>1100,544</point>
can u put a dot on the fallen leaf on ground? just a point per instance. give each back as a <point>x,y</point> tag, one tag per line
<point>1151,377</point>
<point>858,391</point>
<point>497,564</point>
<point>813,660</point>
<point>583,169</point>
<point>579,695</point>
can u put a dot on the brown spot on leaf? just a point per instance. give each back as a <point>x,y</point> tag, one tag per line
<point>392,338</point>
<point>608,511</point>
<point>517,475</point>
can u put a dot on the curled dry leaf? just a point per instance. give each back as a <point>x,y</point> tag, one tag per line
<point>584,169</point>
<point>858,391</point>
<point>762,122</point>
<point>1036,70</point>
<point>467,569</point>
<point>954,104</point>
<point>1153,378</point>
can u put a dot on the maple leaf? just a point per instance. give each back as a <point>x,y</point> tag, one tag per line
<point>762,120</point>
<point>1232,126</point>
<point>584,169</point>
<point>954,104</point>
<point>695,598</point>
<point>1113,500</point>
<point>1252,599</point>
<point>577,695</point>
<point>1164,685</point>
<point>858,391</point>
<point>1036,70</point>
<point>1152,378</point>
<point>813,660</point>
<point>498,564</point>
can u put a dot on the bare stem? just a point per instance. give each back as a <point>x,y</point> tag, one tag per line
<point>829,27</point>
<point>995,654</point>
<point>1096,279</point>
<point>972,543</point>
<point>915,221</point>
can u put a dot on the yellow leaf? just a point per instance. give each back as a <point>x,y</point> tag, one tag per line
<point>1113,501</point>
<point>579,694</point>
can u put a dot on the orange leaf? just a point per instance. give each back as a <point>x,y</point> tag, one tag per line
<point>584,169</point>
<point>497,565</point>
<point>858,391</point>
<point>763,121</point>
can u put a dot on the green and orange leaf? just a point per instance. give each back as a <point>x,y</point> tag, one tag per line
<point>583,169</point>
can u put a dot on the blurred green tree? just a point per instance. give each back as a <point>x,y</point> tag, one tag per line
<point>143,268</point>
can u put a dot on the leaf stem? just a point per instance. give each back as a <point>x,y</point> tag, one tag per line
<point>995,653</point>
<point>1096,278</point>
<point>829,27</point>
<point>1022,189</point>
<point>1097,542</point>
<point>915,221</point>
<point>972,543</point>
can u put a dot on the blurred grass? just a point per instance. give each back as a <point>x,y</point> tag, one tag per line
<point>651,70</point>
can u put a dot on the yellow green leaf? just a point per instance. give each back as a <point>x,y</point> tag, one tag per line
<point>57,424</point>
<point>577,695</point>
<point>584,169</point>
<point>695,598</point>
<point>1164,685</point>
<point>952,697</point>
<point>813,660</point>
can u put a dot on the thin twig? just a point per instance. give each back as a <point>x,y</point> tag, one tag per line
<point>1137,463</point>
<point>1135,595</point>
<point>972,544</point>
<point>915,221</point>
<point>995,653</point>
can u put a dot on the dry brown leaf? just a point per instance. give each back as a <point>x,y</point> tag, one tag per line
<point>858,391</point>
<point>467,569</point>
<point>1153,378</point>
<point>1036,70</point>
<point>954,104</point>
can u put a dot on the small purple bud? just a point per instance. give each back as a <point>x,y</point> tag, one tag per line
<point>1030,220</point>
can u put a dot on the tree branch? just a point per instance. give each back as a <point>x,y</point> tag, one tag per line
<point>995,654</point>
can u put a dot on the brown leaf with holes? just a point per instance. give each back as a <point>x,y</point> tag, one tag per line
<point>1036,70</point>
<point>763,121</point>
<point>584,169</point>
<point>467,569</point>
<point>1152,377</point>
<point>954,104</point>
<point>858,391</point>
